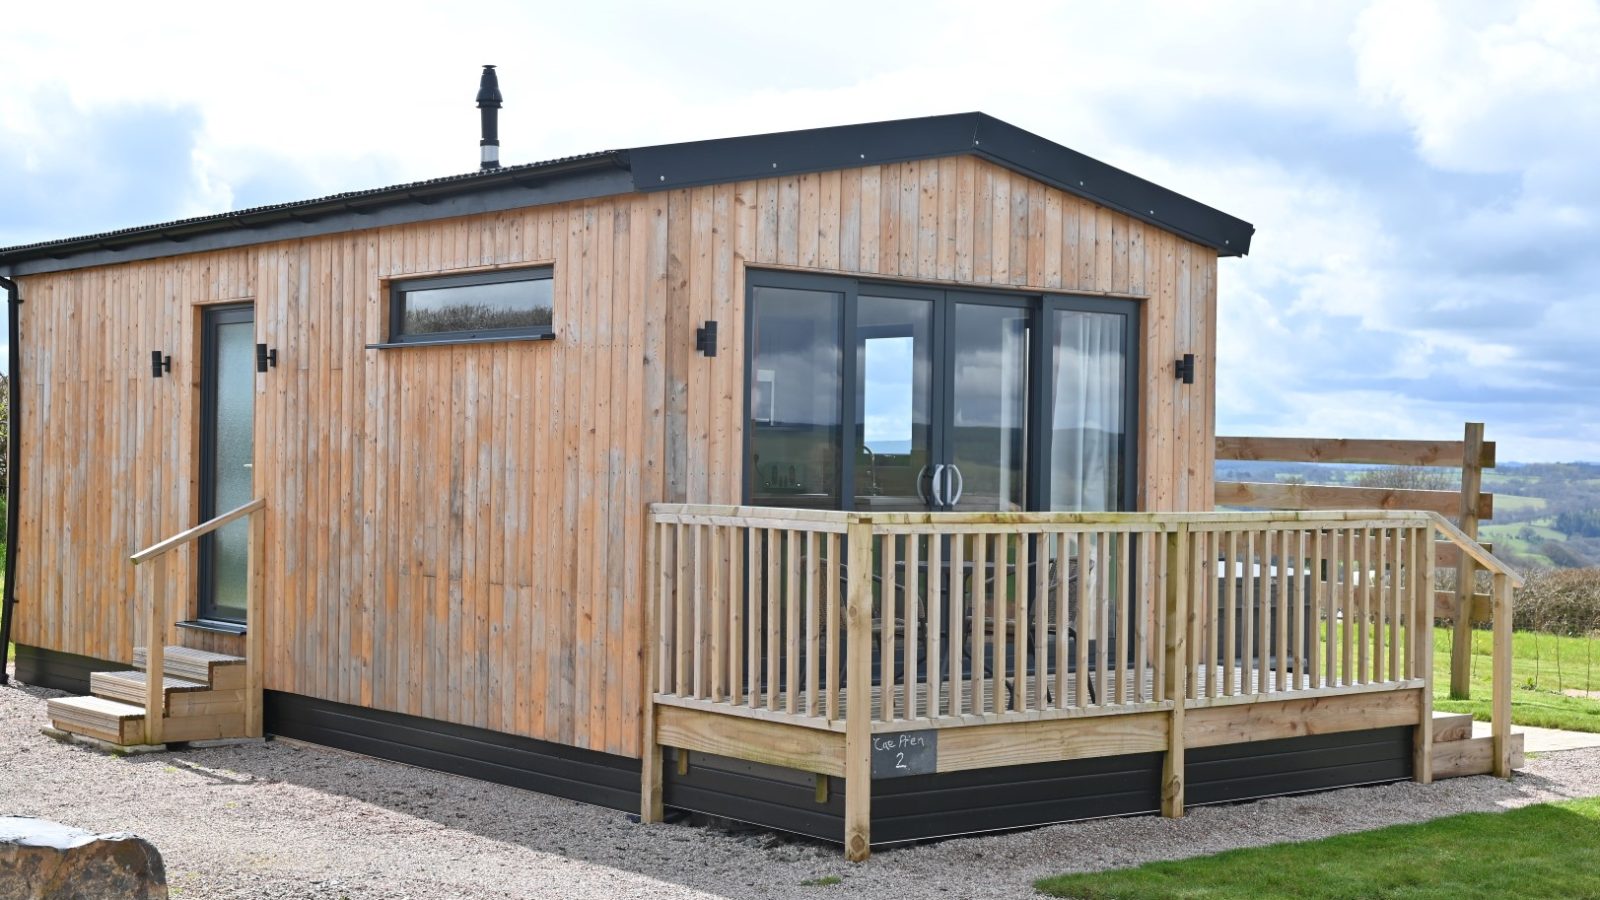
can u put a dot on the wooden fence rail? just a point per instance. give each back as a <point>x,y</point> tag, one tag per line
<point>1468,506</point>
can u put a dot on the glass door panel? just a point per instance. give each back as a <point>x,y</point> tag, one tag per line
<point>796,425</point>
<point>1087,412</point>
<point>228,450</point>
<point>987,435</point>
<point>894,393</point>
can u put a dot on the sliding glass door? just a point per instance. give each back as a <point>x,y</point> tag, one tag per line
<point>892,397</point>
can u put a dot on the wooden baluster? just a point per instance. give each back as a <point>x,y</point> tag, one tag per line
<point>1380,604</point>
<point>813,625</point>
<point>1085,620</point>
<point>755,604</point>
<point>886,617</point>
<point>1364,614</point>
<point>1500,713</point>
<point>1020,605</point>
<point>698,638</point>
<point>774,646</point>
<point>1281,631</point>
<point>793,602</point>
<point>1347,604</point>
<point>910,613</point>
<point>935,588</point>
<point>1230,622</point>
<point>1153,575</point>
<point>682,637</point>
<point>834,625</point>
<point>1318,605</point>
<point>1251,604</point>
<point>1063,606</point>
<point>1040,556</point>
<point>980,641</point>
<point>1000,600</point>
<point>717,611</point>
<point>1102,615</point>
<point>1304,614</point>
<point>1396,605</point>
<point>957,629</point>
<point>737,599</point>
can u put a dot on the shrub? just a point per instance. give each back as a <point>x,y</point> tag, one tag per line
<point>1560,601</point>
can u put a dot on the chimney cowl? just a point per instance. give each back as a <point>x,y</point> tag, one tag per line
<point>489,89</point>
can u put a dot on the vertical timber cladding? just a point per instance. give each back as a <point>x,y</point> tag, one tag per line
<point>458,532</point>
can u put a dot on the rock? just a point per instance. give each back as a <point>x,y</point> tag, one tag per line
<point>41,860</point>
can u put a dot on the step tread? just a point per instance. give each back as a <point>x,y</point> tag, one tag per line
<point>136,678</point>
<point>1449,726</point>
<point>175,653</point>
<point>95,708</point>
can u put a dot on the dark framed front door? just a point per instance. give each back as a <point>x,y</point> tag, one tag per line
<point>868,396</point>
<point>227,451</point>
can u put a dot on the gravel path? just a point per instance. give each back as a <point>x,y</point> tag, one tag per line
<point>285,820</point>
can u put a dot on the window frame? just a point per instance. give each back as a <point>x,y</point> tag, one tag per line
<point>398,289</point>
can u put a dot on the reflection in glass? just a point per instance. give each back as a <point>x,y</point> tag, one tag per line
<point>894,393</point>
<point>234,449</point>
<point>520,304</point>
<point>795,372</point>
<point>1087,417</point>
<point>989,434</point>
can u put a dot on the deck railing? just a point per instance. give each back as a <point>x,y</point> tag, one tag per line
<point>960,619</point>
<point>158,616</point>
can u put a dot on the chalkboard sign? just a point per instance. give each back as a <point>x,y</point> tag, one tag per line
<point>901,753</point>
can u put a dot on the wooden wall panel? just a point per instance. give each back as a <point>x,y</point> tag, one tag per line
<point>458,532</point>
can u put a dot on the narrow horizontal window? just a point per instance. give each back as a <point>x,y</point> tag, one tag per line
<point>477,307</point>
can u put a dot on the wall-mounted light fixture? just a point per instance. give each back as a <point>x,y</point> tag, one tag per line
<point>705,338</point>
<point>159,362</point>
<point>266,358</point>
<point>1185,368</point>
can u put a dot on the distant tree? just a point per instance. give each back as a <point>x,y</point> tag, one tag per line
<point>1582,522</point>
<point>1409,478</point>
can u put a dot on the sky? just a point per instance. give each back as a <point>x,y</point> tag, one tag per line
<point>1422,175</point>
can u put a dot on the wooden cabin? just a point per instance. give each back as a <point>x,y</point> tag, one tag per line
<point>855,482</point>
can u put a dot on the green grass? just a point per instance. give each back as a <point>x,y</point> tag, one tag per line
<point>1549,850</point>
<point>1542,667</point>
<point>1507,503</point>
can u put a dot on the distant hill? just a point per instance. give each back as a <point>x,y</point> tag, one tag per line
<point>1545,514</point>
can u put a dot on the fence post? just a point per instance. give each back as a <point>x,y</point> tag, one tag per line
<point>1422,601</point>
<point>858,699</point>
<point>155,659</point>
<point>651,806</point>
<point>1500,712</point>
<point>1176,667</point>
<point>255,621</point>
<point>1466,571</point>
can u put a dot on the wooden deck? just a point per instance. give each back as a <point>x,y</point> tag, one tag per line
<point>1177,631</point>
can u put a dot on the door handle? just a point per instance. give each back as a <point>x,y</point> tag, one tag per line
<point>960,485</point>
<point>938,497</point>
<point>922,494</point>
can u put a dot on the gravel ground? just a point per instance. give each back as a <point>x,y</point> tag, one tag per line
<point>287,820</point>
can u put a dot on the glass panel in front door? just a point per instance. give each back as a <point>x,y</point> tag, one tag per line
<point>988,432</point>
<point>795,420</point>
<point>232,451</point>
<point>894,392</point>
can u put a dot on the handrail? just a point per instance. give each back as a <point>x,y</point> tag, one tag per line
<point>204,528</point>
<point>1476,550</point>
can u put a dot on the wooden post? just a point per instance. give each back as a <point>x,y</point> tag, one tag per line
<point>1466,577</point>
<point>858,701</point>
<point>1422,578</point>
<point>155,641</point>
<point>1500,712</point>
<point>254,623</point>
<point>1177,603</point>
<point>651,806</point>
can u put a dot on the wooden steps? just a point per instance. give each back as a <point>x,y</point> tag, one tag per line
<point>203,696</point>
<point>1456,753</point>
<point>97,717</point>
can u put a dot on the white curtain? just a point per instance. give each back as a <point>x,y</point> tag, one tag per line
<point>1088,418</point>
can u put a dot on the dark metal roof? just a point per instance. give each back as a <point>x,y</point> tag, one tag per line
<point>662,167</point>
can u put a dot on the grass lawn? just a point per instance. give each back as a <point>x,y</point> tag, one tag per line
<point>1542,667</point>
<point>1549,850</point>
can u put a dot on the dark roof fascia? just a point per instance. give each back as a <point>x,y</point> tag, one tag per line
<point>698,163</point>
<point>508,188</point>
<point>662,167</point>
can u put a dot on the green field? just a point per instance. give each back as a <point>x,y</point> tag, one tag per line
<point>1542,667</point>
<point>1548,850</point>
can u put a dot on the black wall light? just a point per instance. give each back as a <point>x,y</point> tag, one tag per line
<point>705,338</point>
<point>159,362</point>
<point>265,357</point>
<point>1185,368</point>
